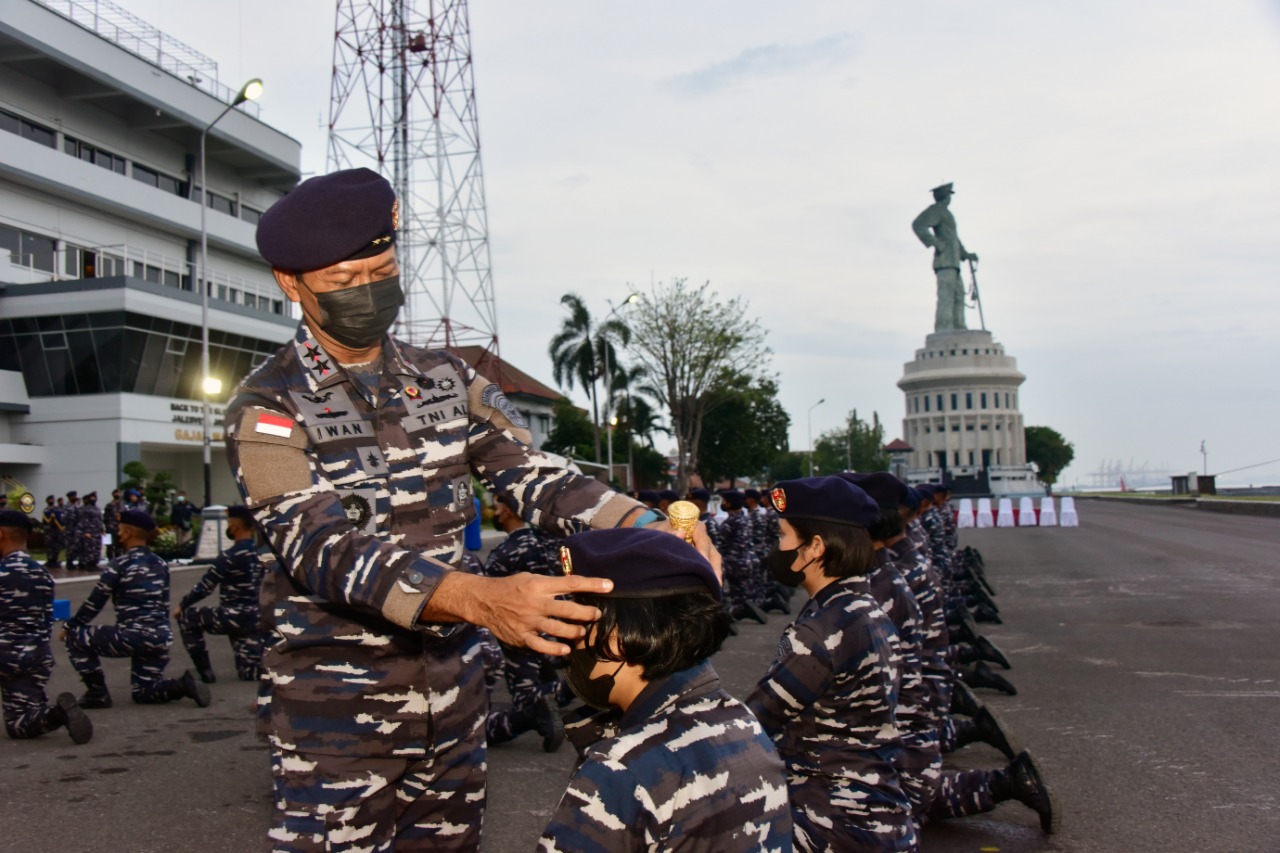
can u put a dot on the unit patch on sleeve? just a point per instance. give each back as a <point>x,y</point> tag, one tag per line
<point>493,397</point>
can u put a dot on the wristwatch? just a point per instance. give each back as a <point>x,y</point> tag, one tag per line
<point>649,518</point>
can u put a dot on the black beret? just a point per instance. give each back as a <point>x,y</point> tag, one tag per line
<point>668,495</point>
<point>49,499</point>
<point>92,496</point>
<point>926,490</point>
<point>641,563</point>
<point>138,518</point>
<point>752,493</point>
<point>71,495</point>
<point>648,496</point>
<point>327,219</point>
<point>13,518</point>
<point>241,512</point>
<point>733,499</point>
<point>883,488</point>
<point>912,501</point>
<point>699,495</point>
<point>825,499</point>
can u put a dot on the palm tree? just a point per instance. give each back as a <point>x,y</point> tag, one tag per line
<point>580,350</point>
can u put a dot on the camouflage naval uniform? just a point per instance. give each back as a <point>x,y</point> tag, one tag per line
<point>26,610</point>
<point>137,583</point>
<point>88,548</point>
<point>54,536</point>
<point>111,525</point>
<point>237,574</point>
<point>920,761</point>
<point>737,544</point>
<point>363,488</point>
<point>686,767</point>
<point>71,534</point>
<point>533,551</point>
<point>914,566</point>
<point>828,702</point>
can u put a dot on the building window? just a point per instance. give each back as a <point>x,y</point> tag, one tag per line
<point>968,427</point>
<point>27,129</point>
<point>984,427</point>
<point>984,399</point>
<point>168,183</point>
<point>955,405</point>
<point>939,402</point>
<point>248,214</point>
<point>221,203</point>
<point>93,154</point>
<point>970,457</point>
<point>957,458</point>
<point>1006,400</point>
<point>955,427</point>
<point>926,402</point>
<point>28,250</point>
<point>968,399</point>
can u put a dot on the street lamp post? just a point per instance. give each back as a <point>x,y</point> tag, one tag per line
<point>811,408</point>
<point>608,391</point>
<point>251,91</point>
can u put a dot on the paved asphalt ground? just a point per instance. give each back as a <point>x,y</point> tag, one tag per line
<point>1144,646</point>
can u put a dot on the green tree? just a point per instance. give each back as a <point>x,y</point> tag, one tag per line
<point>154,488</point>
<point>1050,452</point>
<point>688,339</point>
<point>571,432</point>
<point>579,352</point>
<point>788,465</point>
<point>648,467</point>
<point>743,430</point>
<point>857,446</point>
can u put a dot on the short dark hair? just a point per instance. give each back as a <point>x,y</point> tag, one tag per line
<point>663,634</point>
<point>849,551</point>
<point>888,526</point>
<point>507,501</point>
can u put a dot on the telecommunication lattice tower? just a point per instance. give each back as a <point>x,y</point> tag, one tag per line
<point>403,103</point>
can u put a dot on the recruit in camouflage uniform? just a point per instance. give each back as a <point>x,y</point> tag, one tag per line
<point>364,497</point>
<point>71,530</point>
<point>534,551</point>
<point>736,541</point>
<point>237,575</point>
<point>828,702</point>
<point>138,584</point>
<point>111,523</point>
<point>54,537</point>
<point>26,660</point>
<point>89,530</point>
<point>686,768</point>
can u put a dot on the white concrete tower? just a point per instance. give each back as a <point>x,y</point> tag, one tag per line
<point>962,411</point>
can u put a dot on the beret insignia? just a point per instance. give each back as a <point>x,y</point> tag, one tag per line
<point>779,498</point>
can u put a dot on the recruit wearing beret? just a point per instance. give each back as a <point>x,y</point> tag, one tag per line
<point>138,518</point>
<point>824,499</point>
<point>883,488</point>
<point>641,563</point>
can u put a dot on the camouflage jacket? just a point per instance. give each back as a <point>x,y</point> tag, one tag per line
<point>914,566</point>
<point>736,542</point>
<point>685,768</point>
<point>828,699</point>
<point>363,498</point>
<point>137,583</point>
<point>525,550</point>
<point>914,710</point>
<point>949,528</point>
<point>768,531</point>
<point>111,516</point>
<point>71,522</point>
<point>931,522</point>
<point>236,574</point>
<point>89,527</point>
<point>26,611</point>
<point>713,528</point>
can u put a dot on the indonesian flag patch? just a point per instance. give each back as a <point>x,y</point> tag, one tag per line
<point>276,425</point>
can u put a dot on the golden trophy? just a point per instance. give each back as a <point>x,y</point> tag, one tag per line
<point>683,516</point>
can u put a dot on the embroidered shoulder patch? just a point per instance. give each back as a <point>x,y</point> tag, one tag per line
<point>493,397</point>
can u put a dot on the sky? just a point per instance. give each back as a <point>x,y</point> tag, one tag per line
<point>1115,167</point>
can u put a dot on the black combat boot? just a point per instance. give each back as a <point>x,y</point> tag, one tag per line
<point>964,630</point>
<point>96,696</point>
<point>984,613</point>
<point>983,676</point>
<point>193,689</point>
<point>985,727</point>
<point>977,597</point>
<point>776,604</point>
<point>1022,781</point>
<point>66,712</point>
<point>545,723</point>
<point>203,666</point>
<point>981,649</point>
<point>963,701</point>
<point>747,610</point>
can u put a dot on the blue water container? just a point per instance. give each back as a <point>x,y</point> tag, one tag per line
<point>472,535</point>
<point>61,609</point>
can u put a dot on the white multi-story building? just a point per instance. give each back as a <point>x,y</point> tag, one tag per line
<point>100,223</point>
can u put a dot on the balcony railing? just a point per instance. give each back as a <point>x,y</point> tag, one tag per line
<point>135,35</point>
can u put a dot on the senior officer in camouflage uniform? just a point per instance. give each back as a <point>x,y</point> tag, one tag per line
<point>54,537</point>
<point>237,575</point>
<point>26,614</point>
<point>355,452</point>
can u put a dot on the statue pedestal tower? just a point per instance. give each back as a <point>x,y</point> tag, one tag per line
<point>963,422</point>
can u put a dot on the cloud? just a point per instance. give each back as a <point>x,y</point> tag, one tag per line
<point>768,60</point>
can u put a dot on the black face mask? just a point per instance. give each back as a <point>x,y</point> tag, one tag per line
<point>780,563</point>
<point>358,317</point>
<point>497,525</point>
<point>594,691</point>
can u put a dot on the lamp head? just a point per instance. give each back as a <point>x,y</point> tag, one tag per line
<point>251,91</point>
<point>212,386</point>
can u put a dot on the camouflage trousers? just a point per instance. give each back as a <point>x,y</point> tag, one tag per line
<point>963,792</point>
<point>383,803</point>
<point>840,814</point>
<point>26,706</point>
<point>919,767</point>
<point>148,653</point>
<point>85,553</point>
<point>247,642</point>
<point>529,678</point>
<point>53,546</point>
<point>743,585</point>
